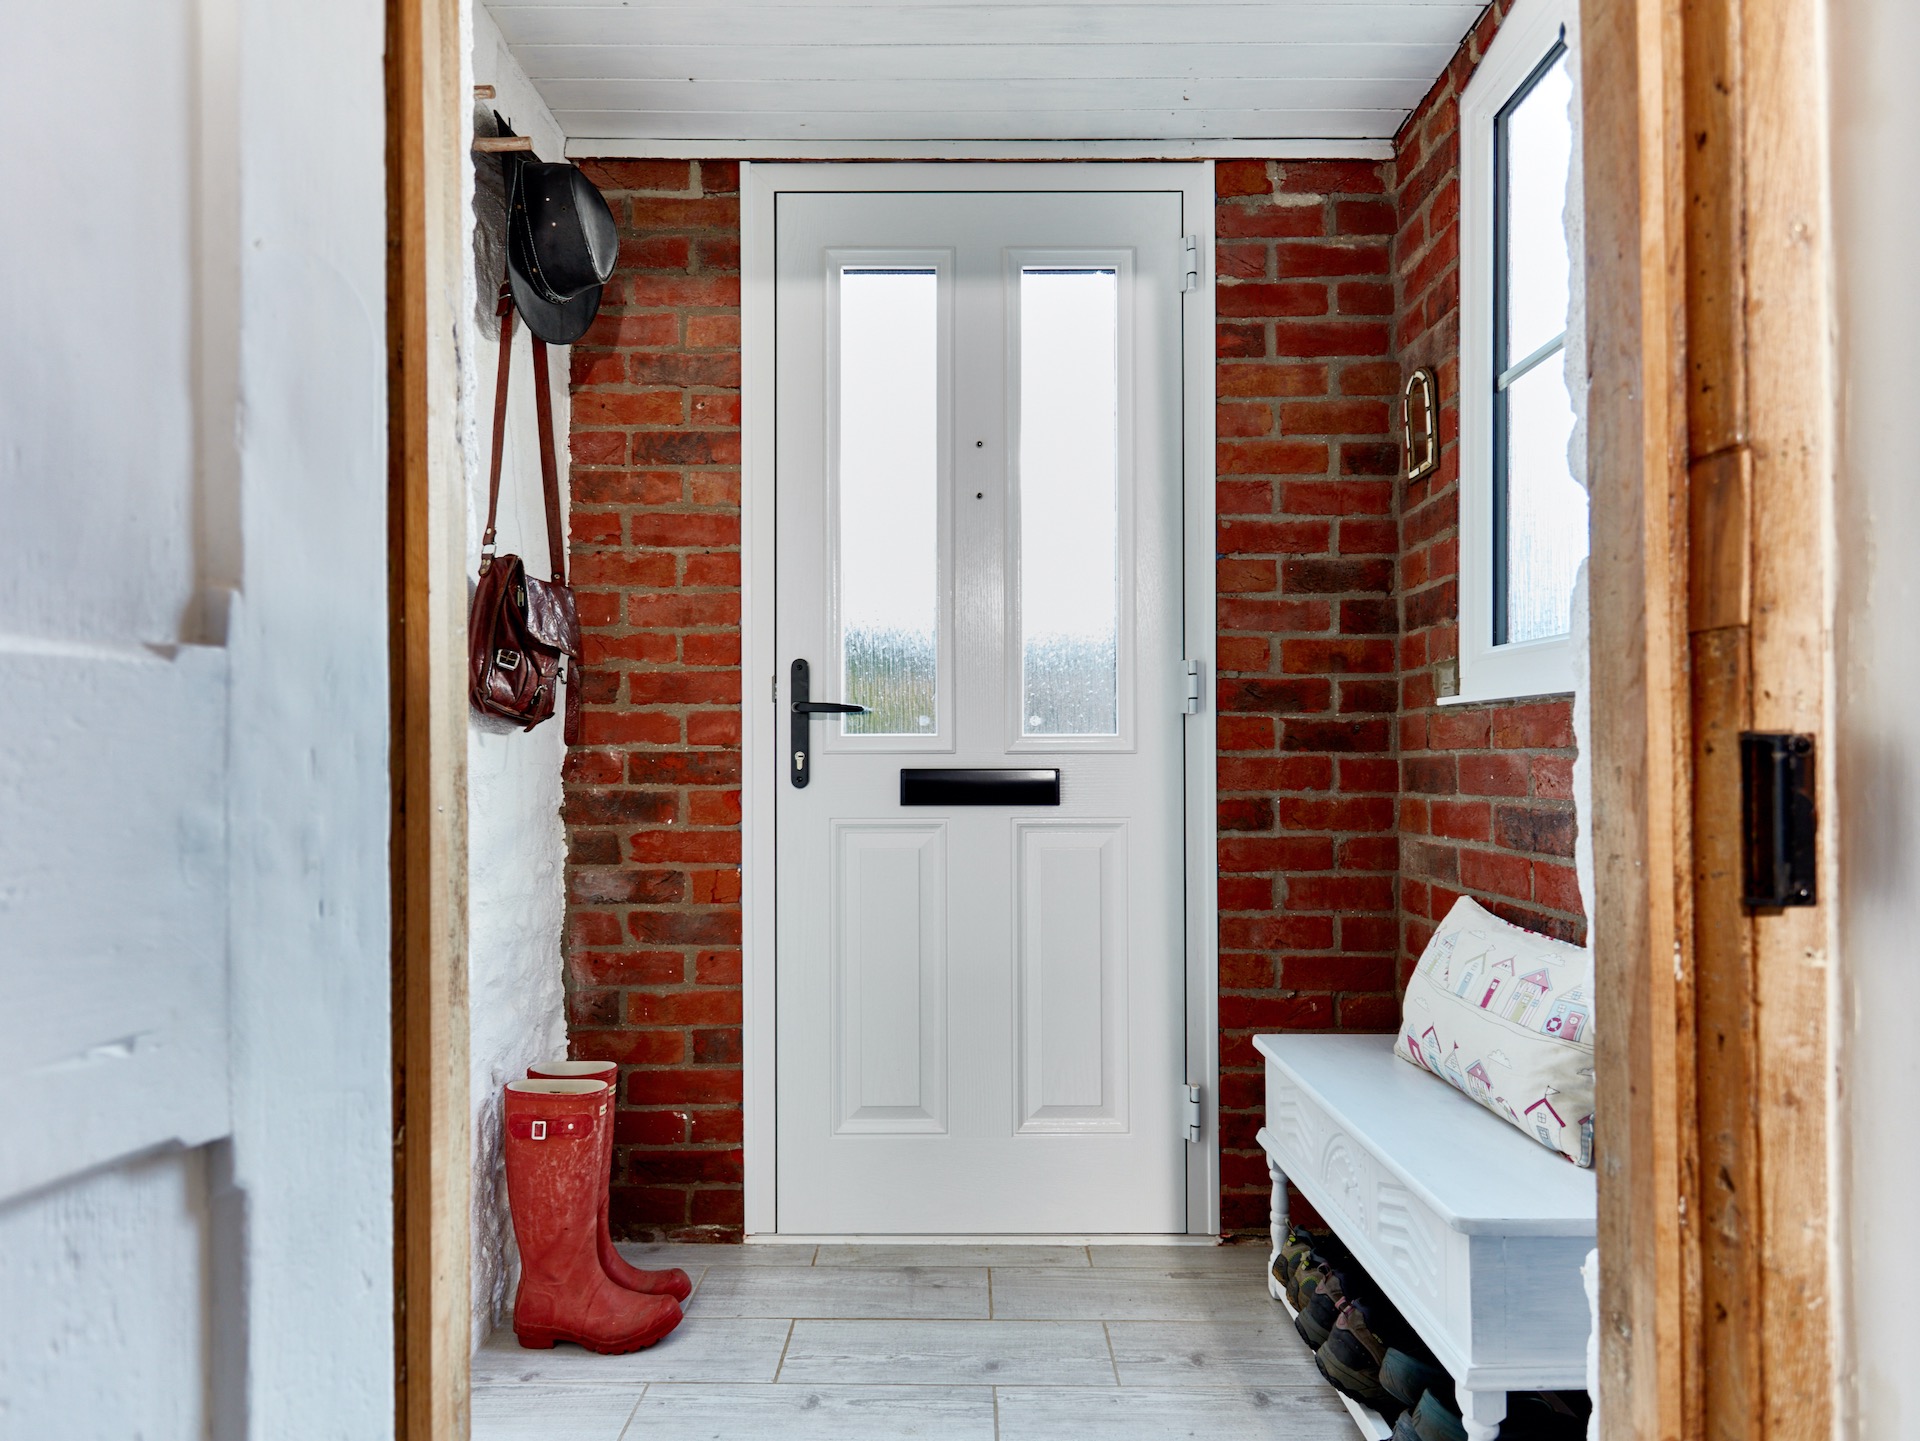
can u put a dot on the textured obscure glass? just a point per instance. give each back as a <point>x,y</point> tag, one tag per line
<point>1069,501</point>
<point>1546,507</point>
<point>1537,147</point>
<point>889,489</point>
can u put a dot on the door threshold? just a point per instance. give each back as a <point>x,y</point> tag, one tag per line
<point>782,1238</point>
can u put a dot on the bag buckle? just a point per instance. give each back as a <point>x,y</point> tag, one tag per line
<point>507,659</point>
<point>539,1130</point>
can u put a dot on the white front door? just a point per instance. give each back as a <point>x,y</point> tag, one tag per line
<point>980,984</point>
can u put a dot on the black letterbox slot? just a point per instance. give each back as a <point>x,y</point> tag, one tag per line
<point>979,788</point>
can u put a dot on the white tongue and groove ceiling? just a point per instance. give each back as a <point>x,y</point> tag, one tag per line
<point>771,78</point>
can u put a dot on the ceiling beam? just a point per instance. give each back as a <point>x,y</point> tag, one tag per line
<point>582,147</point>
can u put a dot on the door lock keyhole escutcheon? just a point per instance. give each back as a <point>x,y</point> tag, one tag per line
<point>804,710</point>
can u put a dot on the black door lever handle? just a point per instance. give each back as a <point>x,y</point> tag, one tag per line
<point>803,708</point>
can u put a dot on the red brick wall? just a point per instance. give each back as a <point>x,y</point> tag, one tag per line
<point>1350,810</point>
<point>653,793</point>
<point>1308,624</point>
<point>1487,804</point>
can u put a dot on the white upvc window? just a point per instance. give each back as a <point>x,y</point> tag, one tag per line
<point>1523,516</point>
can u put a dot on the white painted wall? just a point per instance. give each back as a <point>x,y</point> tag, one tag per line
<point>117,1323</point>
<point>312,1087</point>
<point>113,973</point>
<point>1876,110</point>
<point>192,402</point>
<point>105,454</point>
<point>516,845</point>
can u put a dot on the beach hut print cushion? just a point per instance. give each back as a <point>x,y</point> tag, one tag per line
<point>1505,1016</point>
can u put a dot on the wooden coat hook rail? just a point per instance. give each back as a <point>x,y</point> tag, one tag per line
<point>497,144</point>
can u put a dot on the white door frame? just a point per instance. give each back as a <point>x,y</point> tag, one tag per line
<point>762,751</point>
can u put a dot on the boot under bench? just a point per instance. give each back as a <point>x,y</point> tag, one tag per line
<point>1474,1232</point>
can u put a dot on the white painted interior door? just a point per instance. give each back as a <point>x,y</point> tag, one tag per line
<point>980,1006</point>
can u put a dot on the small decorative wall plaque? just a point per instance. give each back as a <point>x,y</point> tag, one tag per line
<point>1420,423</point>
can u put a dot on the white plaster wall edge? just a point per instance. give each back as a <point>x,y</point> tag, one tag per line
<point>1577,381</point>
<point>516,844</point>
<point>1875,110</point>
<point>1590,1275</point>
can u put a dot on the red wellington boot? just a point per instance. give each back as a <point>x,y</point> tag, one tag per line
<point>555,1179</point>
<point>674,1283</point>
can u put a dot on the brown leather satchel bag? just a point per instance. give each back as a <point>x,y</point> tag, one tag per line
<point>518,628</point>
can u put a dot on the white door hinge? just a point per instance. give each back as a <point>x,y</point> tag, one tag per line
<point>1191,279</point>
<point>1191,1111</point>
<point>1190,698</point>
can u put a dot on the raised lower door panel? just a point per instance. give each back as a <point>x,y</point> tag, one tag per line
<point>889,946</point>
<point>1072,948</point>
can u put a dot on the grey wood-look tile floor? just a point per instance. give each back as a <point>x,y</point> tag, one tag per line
<point>970,1343</point>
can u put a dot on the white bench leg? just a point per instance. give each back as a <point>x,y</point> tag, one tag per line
<point>1482,1411</point>
<point>1276,1222</point>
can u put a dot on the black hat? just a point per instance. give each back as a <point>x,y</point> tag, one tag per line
<point>561,248</point>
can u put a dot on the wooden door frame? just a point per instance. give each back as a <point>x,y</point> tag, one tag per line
<point>427,599</point>
<point>1711,423</point>
<point>1711,400</point>
<point>763,772</point>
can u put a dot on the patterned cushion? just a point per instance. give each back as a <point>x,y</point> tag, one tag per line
<point>1506,1017</point>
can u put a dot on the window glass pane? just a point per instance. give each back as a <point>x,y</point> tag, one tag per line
<point>1546,508</point>
<point>1069,501</point>
<point>889,490</point>
<point>1537,145</point>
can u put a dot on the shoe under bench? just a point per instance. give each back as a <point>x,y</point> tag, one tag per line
<point>1473,1231</point>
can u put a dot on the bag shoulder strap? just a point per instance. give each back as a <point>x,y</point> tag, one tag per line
<point>556,533</point>
<point>504,309</point>
<point>549,464</point>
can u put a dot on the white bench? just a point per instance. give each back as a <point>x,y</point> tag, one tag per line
<point>1475,1232</point>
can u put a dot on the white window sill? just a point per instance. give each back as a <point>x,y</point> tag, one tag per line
<point>1502,698</point>
<point>1508,674</point>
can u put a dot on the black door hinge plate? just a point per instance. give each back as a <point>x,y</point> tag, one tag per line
<point>1777,818</point>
